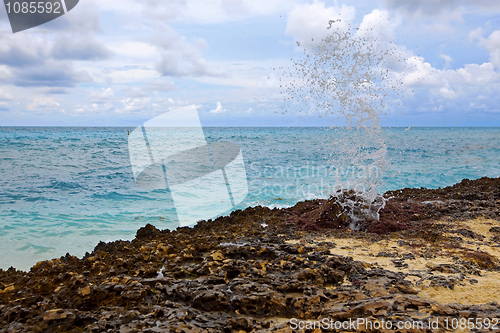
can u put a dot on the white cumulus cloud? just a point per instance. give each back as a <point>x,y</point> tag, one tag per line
<point>43,103</point>
<point>447,59</point>
<point>180,58</point>
<point>101,96</point>
<point>308,23</point>
<point>492,44</point>
<point>218,109</point>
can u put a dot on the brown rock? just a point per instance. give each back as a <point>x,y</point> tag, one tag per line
<point>55,314</point>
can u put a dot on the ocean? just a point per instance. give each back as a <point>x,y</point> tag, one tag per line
<point>64,189</point>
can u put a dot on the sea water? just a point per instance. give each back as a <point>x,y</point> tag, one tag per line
<point>65,189</point>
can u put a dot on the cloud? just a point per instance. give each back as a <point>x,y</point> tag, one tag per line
<point>94,108</point>
<point>84,18</point>
<point>447,92</point>
<point>54,91</point>
<point>135,92</point>
<point>34,59</point>
<point>377,26</point>
<point>447,59</point>
<point>178,57</point>
<point>86,48</point>
<point>131,74</point>
<point>5,96</point>
<point>3,101</point>
<point>135,105</point>
<point>472,86</point>
<point>473,74</point>
<point>476,34</point>
<point>51,74</point>
<point>101,96</point>
<point>492,44</point>
<point>437,7</point>
<point>19,52</point>
<point>134,49</point>
<point>218,109</point>
<point>210,12</point>
<point>308,23</point>
<point>161,105</point>
<point>442,17</point>
<point>161,85</point>
<point>43,103</point>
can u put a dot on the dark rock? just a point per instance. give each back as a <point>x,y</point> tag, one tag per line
<point>147,231</point>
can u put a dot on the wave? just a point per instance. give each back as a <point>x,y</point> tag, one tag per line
<point>35,249</point>
<point>119,196</point>
<point>61,185</point>
<point>35,199</point>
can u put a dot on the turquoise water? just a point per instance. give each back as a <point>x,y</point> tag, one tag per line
<point>65,189</point>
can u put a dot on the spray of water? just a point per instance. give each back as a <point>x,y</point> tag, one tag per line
<point>349,79</point>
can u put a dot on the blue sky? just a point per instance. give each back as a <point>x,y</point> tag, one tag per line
<point>120,63</point>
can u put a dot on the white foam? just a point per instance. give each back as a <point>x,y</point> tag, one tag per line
<point>160,272</point>
<point>233,244</point>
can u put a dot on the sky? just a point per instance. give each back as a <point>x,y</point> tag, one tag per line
<point>123,62</point>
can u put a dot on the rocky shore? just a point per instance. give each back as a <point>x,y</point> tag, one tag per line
<point>433,256</point>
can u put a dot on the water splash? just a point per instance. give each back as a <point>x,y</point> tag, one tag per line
<point>349,79</point>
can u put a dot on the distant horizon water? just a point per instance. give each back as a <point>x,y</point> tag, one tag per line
<point>64,189</point>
